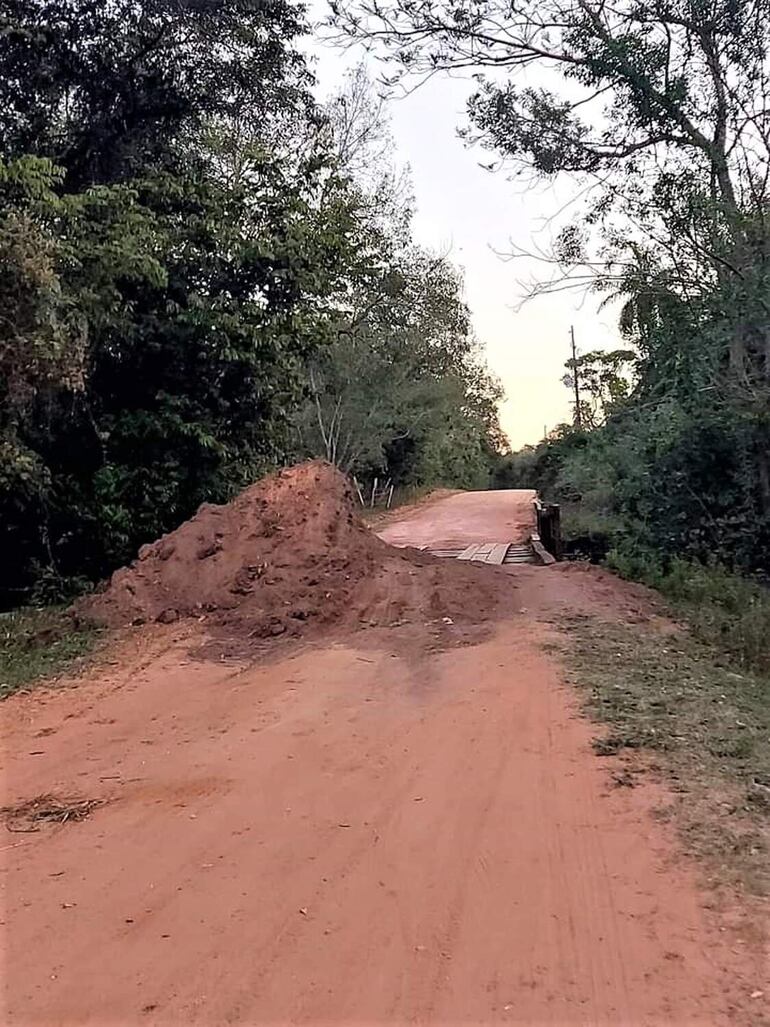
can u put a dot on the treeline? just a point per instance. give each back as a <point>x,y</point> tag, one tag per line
<point>658,113</point>
<point>668,462</point>
<point>203,274</point>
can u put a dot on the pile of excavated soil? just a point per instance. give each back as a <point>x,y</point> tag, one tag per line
<point>287,554</point>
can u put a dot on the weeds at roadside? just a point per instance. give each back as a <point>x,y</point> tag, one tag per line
<point>36,644</point>
<point>705,728</point>
<point>723,609</point>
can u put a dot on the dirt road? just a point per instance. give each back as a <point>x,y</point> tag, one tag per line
<point>357,831</point>
<point>463,518</point>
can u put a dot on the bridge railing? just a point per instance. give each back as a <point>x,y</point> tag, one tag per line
<point>548,517</point>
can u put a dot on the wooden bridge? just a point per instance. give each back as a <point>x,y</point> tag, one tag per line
<point>509,526</point>
<point>491,552</point>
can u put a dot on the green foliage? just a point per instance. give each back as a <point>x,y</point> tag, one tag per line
<point>603,381</point>
<point>187,266</point>
<point>199,306</point>
<point>723,609</point>
<point>158,308</point>
<point>106,90</point>
<point>540,467</point>
<point>36,644</point>
<point>41,344</point>
<point>401,392</point>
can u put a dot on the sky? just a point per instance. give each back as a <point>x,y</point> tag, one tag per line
<point>475,214</point>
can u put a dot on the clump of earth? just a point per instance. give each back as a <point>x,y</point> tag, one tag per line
<point>287,555</point>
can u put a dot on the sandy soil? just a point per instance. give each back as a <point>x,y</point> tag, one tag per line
<point>376,827</point>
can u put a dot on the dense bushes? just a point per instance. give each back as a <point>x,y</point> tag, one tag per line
<point>670,500</point>
<point>674,480</point>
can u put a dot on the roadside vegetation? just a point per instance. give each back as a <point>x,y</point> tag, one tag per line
<point>725,602</point>
<point>671,706</point>
<point>656,115</point>
<point>37,644</point>
<point>207,272</point>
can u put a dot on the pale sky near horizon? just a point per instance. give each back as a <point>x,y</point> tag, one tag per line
<point>471,212</point>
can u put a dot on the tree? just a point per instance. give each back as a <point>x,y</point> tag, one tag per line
<point>603,382</point>
<point>41,345</point>
<point>359,127</point>
<point>105,88</point>
<point>359,136</point>
<point>403,391</point>
<point>647,79</point>
<point>41,349</point>
<point>662,104</point>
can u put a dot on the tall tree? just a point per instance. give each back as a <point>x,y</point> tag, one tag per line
<point>105,87</point>
<point>662,103</point>
<point>403,371</point>
<point>604,380</point>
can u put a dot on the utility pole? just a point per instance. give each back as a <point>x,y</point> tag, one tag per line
<point>576,381</point>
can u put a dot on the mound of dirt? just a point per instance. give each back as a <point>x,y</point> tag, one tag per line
<point>288,553</point>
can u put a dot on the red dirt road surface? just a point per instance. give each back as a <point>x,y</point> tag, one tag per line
<point>376,826</point>
<point>463,518</point>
